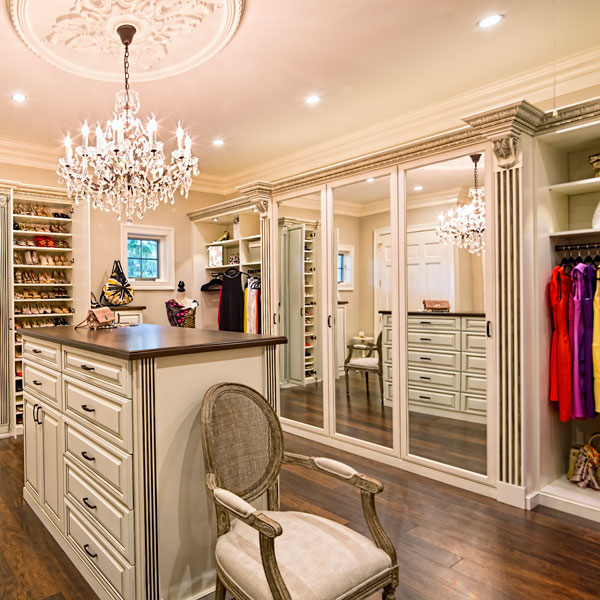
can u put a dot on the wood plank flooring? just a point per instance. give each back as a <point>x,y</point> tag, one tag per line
<point>451,544</point>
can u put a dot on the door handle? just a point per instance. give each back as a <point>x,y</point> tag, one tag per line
<point>329,320</point>
<point>40,419</point>
<point>35,407</point>
<point>301,311</point>
<point>488,329</point>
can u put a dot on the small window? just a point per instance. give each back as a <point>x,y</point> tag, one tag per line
<point>142,258</point>
<point>345,267</point>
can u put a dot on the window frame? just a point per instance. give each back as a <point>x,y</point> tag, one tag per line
<point>142,258</point>
<point>347,285</point>
<point>165,236</point>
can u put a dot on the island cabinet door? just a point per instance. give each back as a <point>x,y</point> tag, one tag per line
<point>33,448</point>
<point>50,425</point>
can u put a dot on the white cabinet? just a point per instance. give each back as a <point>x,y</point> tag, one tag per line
<point>130,316</point>
<point>33,448</point>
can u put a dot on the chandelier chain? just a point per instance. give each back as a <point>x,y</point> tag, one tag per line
<point>126,68</point>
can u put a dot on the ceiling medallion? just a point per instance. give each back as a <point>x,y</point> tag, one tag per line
<point>172,37</point>
<point>126,170</point>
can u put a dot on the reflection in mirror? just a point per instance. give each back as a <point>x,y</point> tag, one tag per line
<point>446,350</point>
<point>362,245</point>
<point>301,302</point>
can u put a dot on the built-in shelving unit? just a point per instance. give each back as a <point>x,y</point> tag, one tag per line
<point>247,249</point>
<point>309,308</point>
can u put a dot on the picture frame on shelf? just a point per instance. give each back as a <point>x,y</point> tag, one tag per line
<point>215,256</point>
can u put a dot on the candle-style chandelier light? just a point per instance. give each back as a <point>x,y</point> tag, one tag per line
<point>465,225</point>
<point>126,171</point>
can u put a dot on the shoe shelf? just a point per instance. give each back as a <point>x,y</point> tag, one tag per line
<point>40,315</point>
<point>50,234</point>
<point>43,300</point>
<point>39,219</point>
<point>47,267</point>
<point>43,248</point>
<point>43,285</point>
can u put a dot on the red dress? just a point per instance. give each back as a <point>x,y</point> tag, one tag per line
<point>561,290</point>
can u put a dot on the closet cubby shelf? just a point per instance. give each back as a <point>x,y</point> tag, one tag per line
<point>43,285</point>
<point>41,315</point>
<point>17,233</point>
<point>575,233</point>
<point>42,300</point>
<point>232,266</point>
<point>572,188</point>
<point>563,491</point>
<point>248,238</point>
<point>47,267</point>
<point>43,248</point>
<point>37,219</point>
<point>251,264</point>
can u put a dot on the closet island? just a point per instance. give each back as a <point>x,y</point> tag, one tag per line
<point>113,452</point>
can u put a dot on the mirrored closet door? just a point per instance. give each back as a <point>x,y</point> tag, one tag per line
<point>361,280</point>
<point>301,309</point>
<point>447,362</point>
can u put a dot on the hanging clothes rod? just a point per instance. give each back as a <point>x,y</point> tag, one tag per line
<point>577,247</point>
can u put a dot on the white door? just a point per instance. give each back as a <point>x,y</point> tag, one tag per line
<point>50,426</point>
<point>382,274</point>
<point>33,448</point>
<point>429,269</point>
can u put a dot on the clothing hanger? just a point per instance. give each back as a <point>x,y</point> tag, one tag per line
<point>578,260</point>
<point>214,284</point>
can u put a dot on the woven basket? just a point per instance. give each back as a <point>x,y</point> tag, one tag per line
<point>574,455</point>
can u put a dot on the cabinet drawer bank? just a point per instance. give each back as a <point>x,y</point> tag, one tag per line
<point>113,454</point>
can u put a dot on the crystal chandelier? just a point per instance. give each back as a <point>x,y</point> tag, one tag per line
<point>126,171</point>
<point>465,226</point>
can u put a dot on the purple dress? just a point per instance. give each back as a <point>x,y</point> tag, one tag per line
<point>588,331</point>
<point>578,411</point>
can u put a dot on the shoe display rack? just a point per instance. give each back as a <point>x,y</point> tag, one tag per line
<point>42,262</point>
<point>309,307</point>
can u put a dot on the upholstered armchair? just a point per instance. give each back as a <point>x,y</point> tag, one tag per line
<point>282,555</point>
<point>365,364</point>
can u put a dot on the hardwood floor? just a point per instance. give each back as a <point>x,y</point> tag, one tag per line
<point>451,544</point>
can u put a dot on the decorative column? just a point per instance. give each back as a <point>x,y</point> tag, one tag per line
<point>510,130</point>
<point>260,193</point>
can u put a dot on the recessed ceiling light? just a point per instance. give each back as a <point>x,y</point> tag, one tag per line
<point>19,97</point>
<point>371,180</point>
<point>215,218</point>
<point>218,142</point>
<point>313,99</point>
<point>490,21</point>
<point>255,210</point>
<point>418,188</point>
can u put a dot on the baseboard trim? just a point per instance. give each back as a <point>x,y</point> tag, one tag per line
<point>91,579</point>
<point>512,494</point>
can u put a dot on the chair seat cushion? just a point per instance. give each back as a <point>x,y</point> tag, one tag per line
<point>364,363</point>
<point>318,558</point>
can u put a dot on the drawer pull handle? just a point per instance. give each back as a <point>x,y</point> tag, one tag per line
<point>87,503</point>
<point>425,339</point>
<point>87,408</point>
<point>424,358</point>
<point>425,397</point>
<point>36,351</point>
<point>87,456</point>
<point>90,554</point>
<point>36,382</point>
<point>87,368</point>
<point>425,322</point>
<point>423,377</point>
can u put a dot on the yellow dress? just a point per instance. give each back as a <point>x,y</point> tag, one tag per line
<point>596,343</point>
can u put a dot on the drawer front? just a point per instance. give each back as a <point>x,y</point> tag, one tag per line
<point>475,324</point>
<point>386,320</point>
<point>97,553</point>
<point>442,360</point>
<point>433,322</point>
<point>387,372</point>
<point>474,363</point>
<point>106,414</point>
<point>46,353</point>
<point>473,342</point>
<point>42,382</point>
<point>431,339</point>
<point>129,316</point>
<point>445,400</point>
<point>387,353</point>
<point>474,405</point>
<point>108,372</point>
<point>386,336</point>
<point>474,384</point>
<point>102,461</point>
<point>116,522</point>
<point>388,391</point>
<point>433,378</point>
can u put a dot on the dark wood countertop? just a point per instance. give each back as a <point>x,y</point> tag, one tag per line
<point>149,341</point>
<point>437,314</point>
<point>127,307</point>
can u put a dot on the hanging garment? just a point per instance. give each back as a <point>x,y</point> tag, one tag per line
<point>560,352</point>
<point>578,410</point>
<point>253,305</point>
<point>588,333</point>
<point>596,344</point>
<point>231,303</point>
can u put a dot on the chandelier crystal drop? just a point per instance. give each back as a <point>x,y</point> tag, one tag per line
<point>126,171</point>
<point>465,226</point>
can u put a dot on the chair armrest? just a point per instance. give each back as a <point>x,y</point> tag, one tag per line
<point>242,510</point>
<point>334,468</point>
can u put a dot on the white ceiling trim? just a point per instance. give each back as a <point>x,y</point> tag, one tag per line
<point>576,72</point>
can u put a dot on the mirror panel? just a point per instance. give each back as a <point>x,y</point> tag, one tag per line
<point>362,276</point>
<point>446,352</point>
<point>301,305</point>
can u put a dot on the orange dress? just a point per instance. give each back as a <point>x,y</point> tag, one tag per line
<point>561,290</point>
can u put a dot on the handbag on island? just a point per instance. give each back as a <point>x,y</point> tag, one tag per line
<point>98,318</point>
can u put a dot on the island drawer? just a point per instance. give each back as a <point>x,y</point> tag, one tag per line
<point>424,339</point>
<point>42,382</point>
<point>473,405</point>
<point>108,372</point>
<point>446,400</point>
<point>442,360</point>
<point>476,324</point>
<point>107,414</point>
<point>97,553</point>
<point>45,353</point>
<point>115,522</point>
<point>434,378</point>
<point>473,342</point>
<point>103,462</point>
<point>433,322</point>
